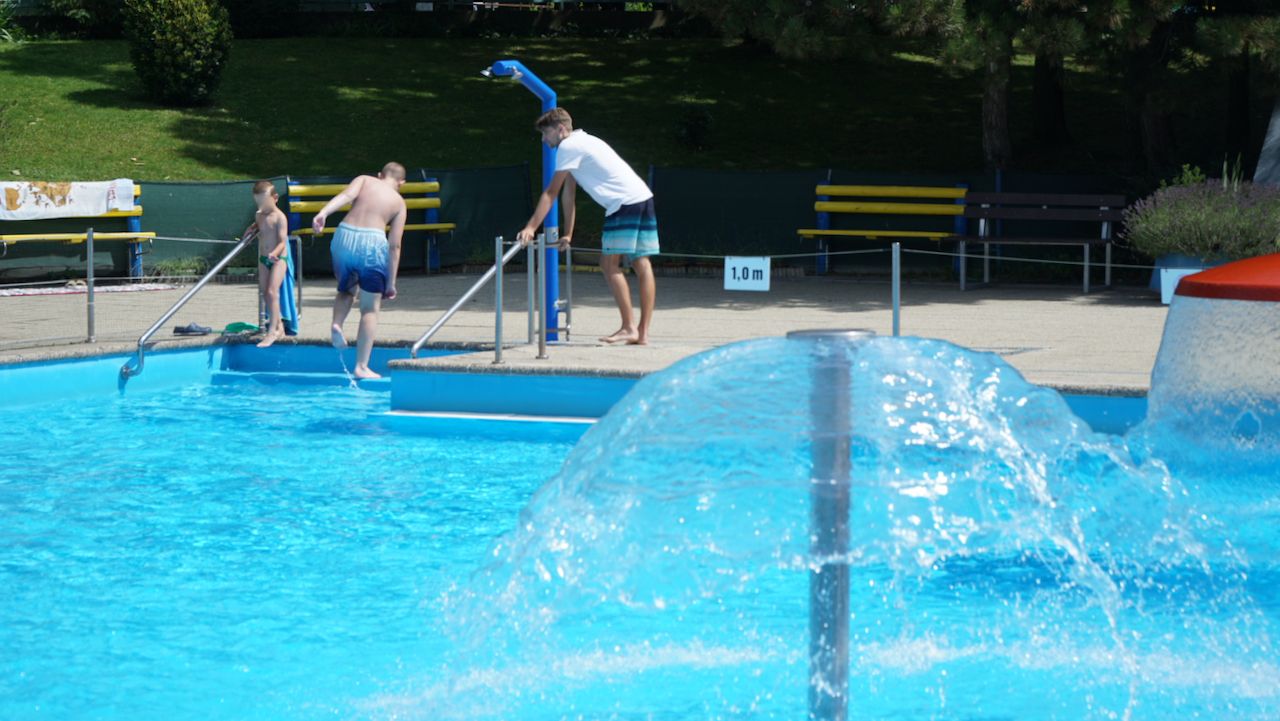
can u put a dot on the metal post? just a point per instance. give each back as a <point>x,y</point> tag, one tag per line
<point>93,335</point>
<point>531,282</point>
<point>497,301</point>
<point>551,281</point>
<point>1086,268</point>
<point>897,289</point>
<point>543,262</point>
<point>830,404</point>
<point>296,245</point>
<point>568,292</point>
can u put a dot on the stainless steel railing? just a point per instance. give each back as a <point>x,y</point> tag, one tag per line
<point>471,293</point>
<point>127,371</point>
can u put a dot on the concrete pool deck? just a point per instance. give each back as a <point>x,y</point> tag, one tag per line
<point>1103,342</point>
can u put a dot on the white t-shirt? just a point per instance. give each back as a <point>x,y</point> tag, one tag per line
<point>600,171</point>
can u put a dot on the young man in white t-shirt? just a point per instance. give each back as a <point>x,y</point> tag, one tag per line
<point>630,226</point>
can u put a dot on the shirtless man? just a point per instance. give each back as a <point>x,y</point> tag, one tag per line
<point>364,255</point>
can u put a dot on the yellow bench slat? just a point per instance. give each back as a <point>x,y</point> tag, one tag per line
<point>74,237</point>
<point>315,206</point>
<point>335,188</point>
<point>891,191</point>
<point>934,235</point>
<point>410,226</point>
<point>836,206</point>
<point>137,210</point>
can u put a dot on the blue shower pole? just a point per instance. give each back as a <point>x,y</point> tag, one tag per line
<point>517,70</point>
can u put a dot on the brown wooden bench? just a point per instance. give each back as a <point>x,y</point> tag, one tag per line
<point>1070,212</point>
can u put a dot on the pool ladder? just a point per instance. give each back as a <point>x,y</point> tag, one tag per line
<point>536,282</point>
<point>127,371</point>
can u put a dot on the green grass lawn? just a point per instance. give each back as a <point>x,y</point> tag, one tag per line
<point>341,106</point>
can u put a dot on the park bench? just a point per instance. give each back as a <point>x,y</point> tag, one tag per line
<point>421,196</point>
<point>885,212</point>
<point>1071,218</point>
<point>132,233</point>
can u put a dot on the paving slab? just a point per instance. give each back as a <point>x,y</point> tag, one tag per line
<point>1105,341</point>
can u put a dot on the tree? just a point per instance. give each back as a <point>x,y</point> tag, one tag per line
<point>1054,30</point>
<point>978,34</point>
<point>1240,36</point>
<point>1139,41</point>
<point>793,28</point>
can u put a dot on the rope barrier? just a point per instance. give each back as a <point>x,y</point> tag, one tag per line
<point>577,249</point>
<point>1078,264</point>
<point>97,280</point>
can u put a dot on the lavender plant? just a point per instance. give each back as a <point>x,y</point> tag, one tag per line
<point>1214,219</point>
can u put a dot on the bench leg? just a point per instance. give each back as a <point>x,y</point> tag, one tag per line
<point>986,264</point>
<point>1107,275</point>
<point>1086,268</point>
<point>964,266</point>
<point>135,261</point>
<point>823,261</point>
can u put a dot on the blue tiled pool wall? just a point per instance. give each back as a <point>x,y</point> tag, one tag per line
<point>589,397</point>
<point>545,395</point>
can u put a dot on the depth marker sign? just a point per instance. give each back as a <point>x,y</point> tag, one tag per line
<point>746,272</point>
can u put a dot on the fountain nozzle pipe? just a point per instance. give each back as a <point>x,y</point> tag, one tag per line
<point>830,404</point>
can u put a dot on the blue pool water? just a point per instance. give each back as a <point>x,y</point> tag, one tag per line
<point>1006,562</point>
<point>221,548</point>
<point>236,551</point>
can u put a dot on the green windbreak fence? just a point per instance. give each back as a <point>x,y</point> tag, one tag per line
<point>481,202</point>
<point>700,213</point>
<point>35,260</point>
<point>715,212</point>
<point>196,221</point>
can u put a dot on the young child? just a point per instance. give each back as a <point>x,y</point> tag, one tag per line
<point>275,267</point>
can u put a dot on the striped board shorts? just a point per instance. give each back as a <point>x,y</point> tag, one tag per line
<point>632,231</point>
<point>360,257</point>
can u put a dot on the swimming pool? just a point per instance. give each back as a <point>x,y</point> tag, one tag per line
<point>214,546</point>
<point>234,550</point>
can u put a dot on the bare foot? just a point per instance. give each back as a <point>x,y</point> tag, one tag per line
<point>363,373</point>
<point>336,337</point>
<point>619,336</point>
<point>639,340</point>
<point>270,339</point>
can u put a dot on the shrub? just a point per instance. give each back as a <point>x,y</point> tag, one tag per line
<point>189,266</point>
<point>96,18</point>
<point>1224,219</point>
<point>9,30</point>
<point>178,47</point>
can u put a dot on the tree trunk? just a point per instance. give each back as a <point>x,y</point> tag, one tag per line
<point>1237,110</point>
<point>1145,75</point>
<point>996,148</point>
<point>1157,135</point>
<point>1048,96</point>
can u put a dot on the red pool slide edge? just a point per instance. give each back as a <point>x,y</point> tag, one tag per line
<point>1249,279</point>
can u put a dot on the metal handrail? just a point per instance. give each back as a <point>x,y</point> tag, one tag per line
<point>126,371</point>
<point>471,292</point>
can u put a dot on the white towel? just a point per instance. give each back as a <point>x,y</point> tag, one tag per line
<point>34,201</point>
